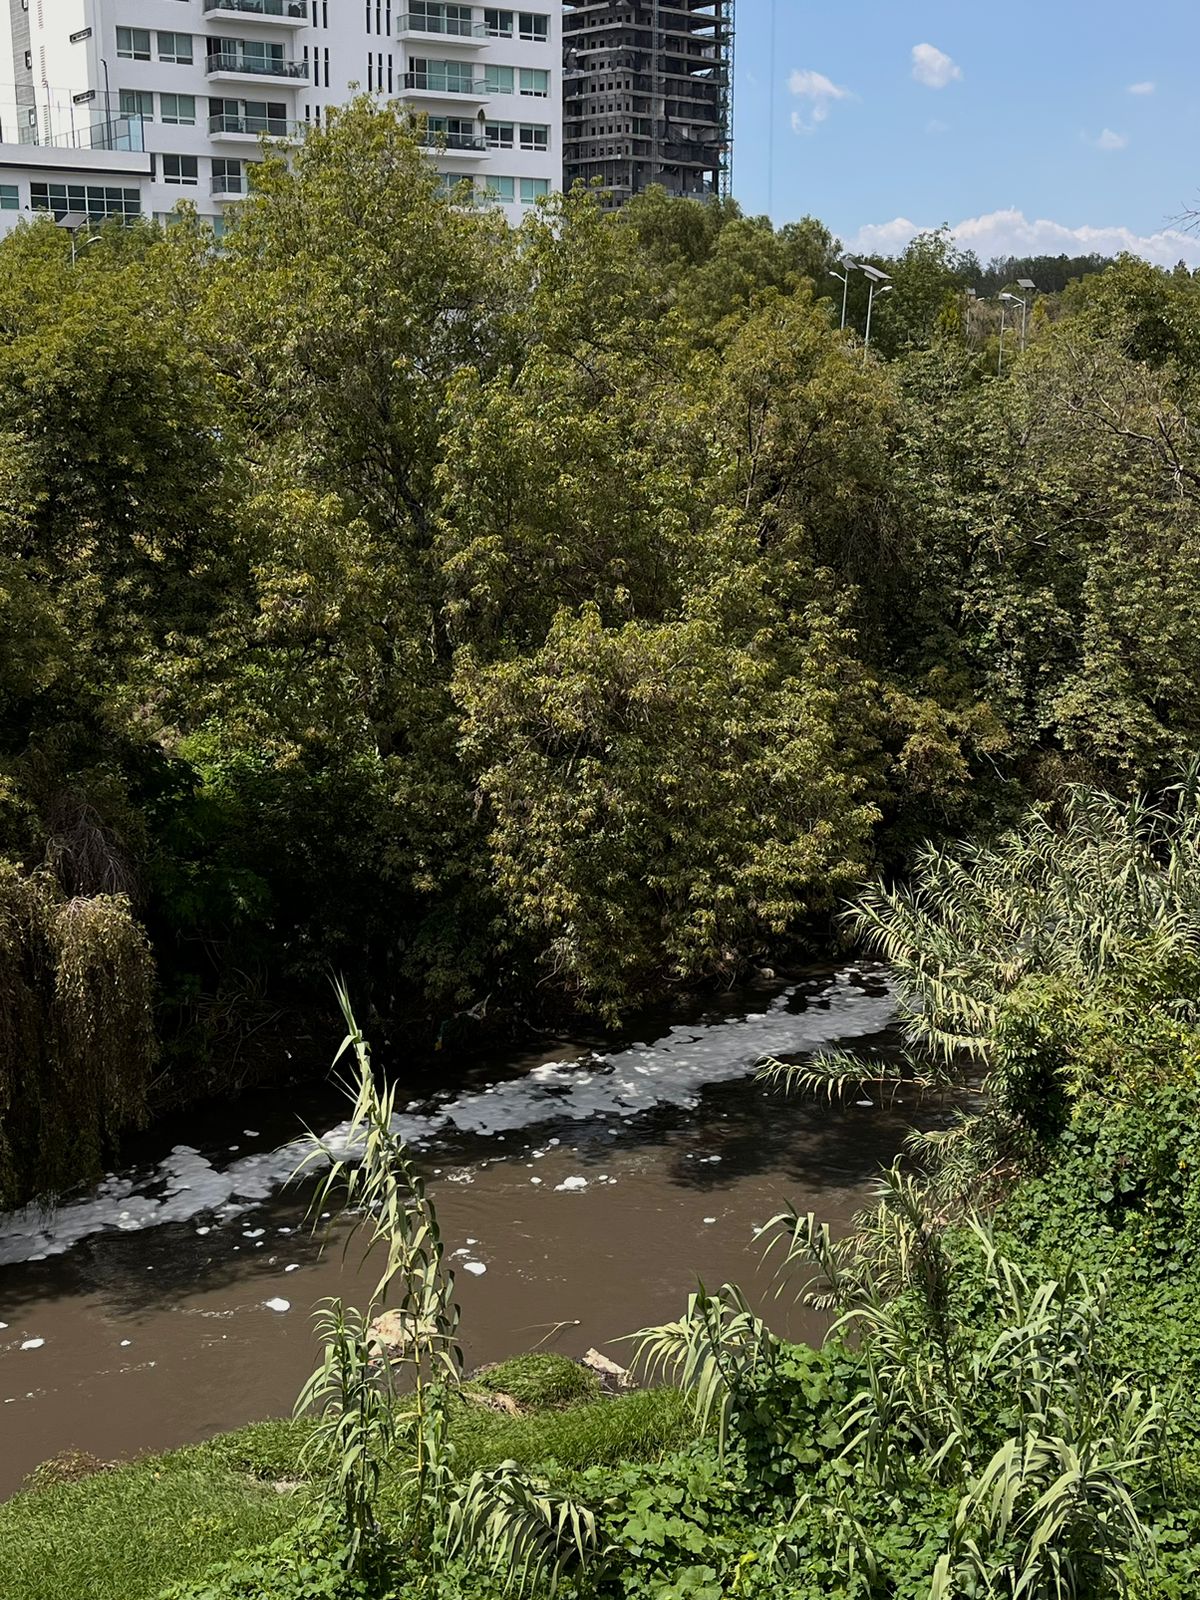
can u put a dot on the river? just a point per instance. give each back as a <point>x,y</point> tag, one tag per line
<point>581,1193</point>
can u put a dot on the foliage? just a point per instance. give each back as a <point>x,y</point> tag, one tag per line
<point>293,1567</point>
<point>388,1374</point>
<point>1021,956</point>
<point>545,617</point>
<point>76,985</point>
<point>541,1379</point>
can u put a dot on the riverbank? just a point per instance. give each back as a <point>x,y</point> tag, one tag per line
<point>126,1532</point>
<point>581,1194</point>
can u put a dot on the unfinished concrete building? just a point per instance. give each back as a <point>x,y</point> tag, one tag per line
<point>648,92</point>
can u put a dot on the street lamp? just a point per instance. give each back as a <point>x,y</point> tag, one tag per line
<point>972,296</point>
<point>71,222</point>
<point>1017,300</point>
<point>850,265</point>
<point>879,284</point>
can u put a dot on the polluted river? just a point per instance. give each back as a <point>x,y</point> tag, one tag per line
<point>581,1193</point>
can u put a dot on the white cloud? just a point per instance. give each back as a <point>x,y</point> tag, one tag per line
<point>817,93</point>
<point>1146,87</point>
<point>1011,233</point>
<point>933,67</point>
<point>1108,140</point>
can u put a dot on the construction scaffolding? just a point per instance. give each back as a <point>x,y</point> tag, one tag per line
<point>648,96</point>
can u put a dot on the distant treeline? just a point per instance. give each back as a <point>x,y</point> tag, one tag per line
<point>1051,274</point>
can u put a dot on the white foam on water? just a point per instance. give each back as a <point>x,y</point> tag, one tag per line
<point>475,1267</point>
<point>671,1071</point>
<point>570,1183</point>
<point>33,1344</point>
<point>277,1304</point>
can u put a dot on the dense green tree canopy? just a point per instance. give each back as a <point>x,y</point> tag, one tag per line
<point>573,609</point>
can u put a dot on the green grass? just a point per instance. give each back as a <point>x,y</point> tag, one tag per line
<point>125,1535</point>
<point>541,1380</point>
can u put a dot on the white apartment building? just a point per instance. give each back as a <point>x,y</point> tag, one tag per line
<point>114,107</point>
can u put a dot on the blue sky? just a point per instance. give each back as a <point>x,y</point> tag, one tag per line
<point>1066,126</point>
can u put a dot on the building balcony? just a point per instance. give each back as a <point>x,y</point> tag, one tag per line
<point>233,186</point>
<point>454,144</point>
<point>446,29</point>
<point>229,66</point>
<point>249,130</point>
<point>435,86</point>
<point>288,13</point>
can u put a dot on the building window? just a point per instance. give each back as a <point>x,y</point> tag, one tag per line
<point>181,169</point>
<point>499,135</point>
<point>137,103</point>
<point>96,201</point>
<point>133,44</point>
<point>501,189</point>
<point>533,189</point>
<point>10,197</point>
<point>497,79</point>
<point>535,81</point>
<point>251,116</point>
<point>532,25</point>
<point>445,77</point>
<point>179,109</point>
<point>535,136</point>
<point>432,16</point>
<point>456,133</point>
<point>227,177</point>
<point>175,47</point>
<point>497,24</point>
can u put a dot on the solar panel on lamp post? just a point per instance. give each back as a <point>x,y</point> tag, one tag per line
<point>71,222</point>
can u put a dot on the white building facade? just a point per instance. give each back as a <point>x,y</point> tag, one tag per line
<point>170,98</point>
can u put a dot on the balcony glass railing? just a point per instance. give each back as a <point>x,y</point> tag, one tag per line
<point>260,66</point>
<point>445,83</point>
<point>231,183</point>
<point>273,127</point>
<point>292,10</point>
<point>453,27</point>
<point>434,140</point>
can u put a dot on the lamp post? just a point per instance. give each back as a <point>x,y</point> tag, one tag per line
<point>1029,287</point>
<point>971,299</point>
<point>879,284</point>
<point>72,222</point>
<point>849,265</point>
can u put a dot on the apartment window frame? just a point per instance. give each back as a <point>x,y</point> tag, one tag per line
<point>533,27</point>
<point>535,74</point>
<point>177,171</point>
<point>135,103</point>
<point>494,135</point>
<point>177,118</point>
<point>494,25</point>
<point>10,197</point>
<point>533,189</point>
<point>130,46</point>
<point>499,78</point>
<point>176,49</point>
<point>534,137</point>
<point>98,201</point>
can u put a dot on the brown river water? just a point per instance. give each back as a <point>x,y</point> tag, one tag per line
<point>582,1194</point>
